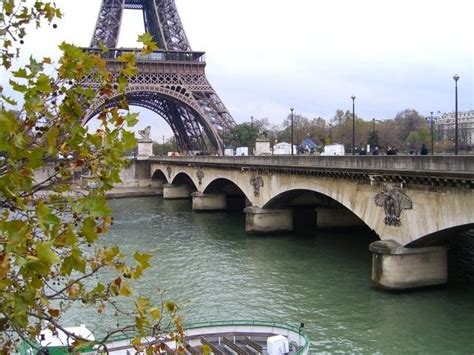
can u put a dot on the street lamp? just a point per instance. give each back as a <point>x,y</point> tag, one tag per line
<point>456,78</point>
<point>432,134</point>
<point>163,145</point>
<point>292,109</point>
<point>353,124</point>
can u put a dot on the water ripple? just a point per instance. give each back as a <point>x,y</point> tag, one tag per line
<point>208,264</point>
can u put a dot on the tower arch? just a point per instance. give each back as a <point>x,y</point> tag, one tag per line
<point>191,127</point>
<point>170,81</point>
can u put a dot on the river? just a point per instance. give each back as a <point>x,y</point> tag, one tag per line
<point>215,271</point>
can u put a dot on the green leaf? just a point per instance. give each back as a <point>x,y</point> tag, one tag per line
<point>46,217</point>
<point>8,100</point>
<point>75,261</point>
<point>18,87</point>
<point>45,252</point>
<point>34,266</point>
<point>43,83</point>
<point>128,139</point>
<point>21,73</point>
<point>99,288</point>
<point>52,138</point>
<point>131,118</point>
<point>89,230</point>
<point>149,45</point>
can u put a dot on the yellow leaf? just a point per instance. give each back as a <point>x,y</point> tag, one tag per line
<point>141,304</point>
<point>155,313</point>
<point>142,259</point>
<point>171,306</point>
<point>125,290</point>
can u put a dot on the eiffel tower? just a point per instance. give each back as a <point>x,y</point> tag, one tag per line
<point>170,82</point>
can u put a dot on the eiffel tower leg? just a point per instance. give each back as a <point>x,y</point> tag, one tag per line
<point>108,24</point>
<point>171,83</point>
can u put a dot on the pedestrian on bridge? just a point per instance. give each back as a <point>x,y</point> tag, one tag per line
<point>423,150</point>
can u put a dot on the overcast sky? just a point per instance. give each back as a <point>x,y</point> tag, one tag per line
<point>265,56</point>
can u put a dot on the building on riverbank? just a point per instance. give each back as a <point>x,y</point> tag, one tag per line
<point>446,124</point>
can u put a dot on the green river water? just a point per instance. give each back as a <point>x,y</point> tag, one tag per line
<point>208,264</point>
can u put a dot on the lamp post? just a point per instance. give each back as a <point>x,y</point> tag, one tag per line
<point>432,134</point>
<point>163,145</point>
<point>456,78</point>
<point>330,133</point>
<point>224,136</point>
<point>292,109</point>
<point>252,138</point>
<point>353,124</point>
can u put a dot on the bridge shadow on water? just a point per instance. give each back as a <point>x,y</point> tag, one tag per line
<point>229,227</point>
<point>461,259</point>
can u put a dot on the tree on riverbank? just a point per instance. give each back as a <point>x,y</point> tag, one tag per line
<point>50,257</point>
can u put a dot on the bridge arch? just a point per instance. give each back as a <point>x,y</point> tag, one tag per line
<point>235,196</point>
<point>432,210</point>
<point>169,103</point>
<point>159,175</point>
<point>183,178</point>
<point>312,208</point>
<point>223,185</point>
<point>327,191</point>
<point>299,197</point>
<point>411,203</point>
<point>441,237</point>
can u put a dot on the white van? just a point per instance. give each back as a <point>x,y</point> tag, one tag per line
<point>333,149</point>
<point>242,151</point>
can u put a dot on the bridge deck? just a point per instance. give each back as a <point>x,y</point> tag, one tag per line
<point>431,169</point>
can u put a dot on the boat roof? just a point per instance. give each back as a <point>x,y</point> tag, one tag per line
<point>48,338</point>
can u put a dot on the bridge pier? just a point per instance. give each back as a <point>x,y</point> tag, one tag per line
<point>330,217</point>
<point>174,192</point>
<point>261,221</point>
<point>209,202</point>
<point>395,267</point>
<point>158,185</point>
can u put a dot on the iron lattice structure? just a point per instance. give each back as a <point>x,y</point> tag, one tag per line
<point>170,82</point>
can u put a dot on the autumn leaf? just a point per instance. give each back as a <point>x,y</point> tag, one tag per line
<point>149,45</point>
<point>54,312</point>
<point>125,290</point>
<point>50,257</point>
<point>155,313</point>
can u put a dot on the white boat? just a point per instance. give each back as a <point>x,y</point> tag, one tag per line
<point>235,337</point>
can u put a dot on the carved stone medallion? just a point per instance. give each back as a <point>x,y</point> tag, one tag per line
<point>169,170</point>
<point>393,201</point>
<point>200,175</point>
<point>257,182</point>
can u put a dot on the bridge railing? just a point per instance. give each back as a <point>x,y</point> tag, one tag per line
<point>156,56</point>
<point>457,165</point>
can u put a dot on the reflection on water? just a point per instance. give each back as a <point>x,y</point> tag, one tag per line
<point>207,263</point>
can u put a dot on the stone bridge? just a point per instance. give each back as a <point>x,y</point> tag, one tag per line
<point>413,203</point>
